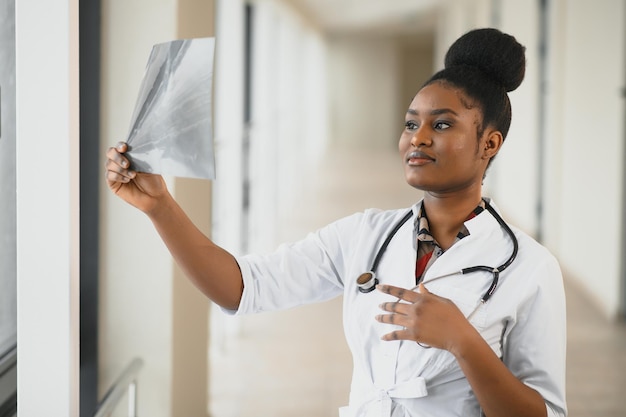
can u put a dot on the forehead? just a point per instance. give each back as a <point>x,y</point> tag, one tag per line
<point>440,95</point>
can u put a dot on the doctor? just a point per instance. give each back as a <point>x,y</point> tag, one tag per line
<point>427,342</point>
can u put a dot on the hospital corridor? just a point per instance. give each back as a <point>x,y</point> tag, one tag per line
<point>299,115</point>
<point>296,362</point>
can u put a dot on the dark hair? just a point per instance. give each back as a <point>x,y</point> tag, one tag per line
<point>485,64</point>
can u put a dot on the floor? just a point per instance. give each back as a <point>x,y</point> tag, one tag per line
<point>296,363</point>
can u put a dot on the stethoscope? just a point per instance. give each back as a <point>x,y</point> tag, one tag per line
<point>367,281</point>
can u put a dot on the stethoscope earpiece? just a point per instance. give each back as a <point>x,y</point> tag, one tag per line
<point>367,282</point>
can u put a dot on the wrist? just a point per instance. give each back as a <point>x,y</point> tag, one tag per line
<point>464,342</point>
<point>161,206</point>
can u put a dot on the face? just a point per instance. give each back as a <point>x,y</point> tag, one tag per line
<point>439,146</point>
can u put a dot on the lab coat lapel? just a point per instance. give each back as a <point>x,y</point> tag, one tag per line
<point>397,268</point>
<point>398,264</point>
<point>487,244</point>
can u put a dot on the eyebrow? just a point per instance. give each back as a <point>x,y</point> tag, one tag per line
<point>435,112</point>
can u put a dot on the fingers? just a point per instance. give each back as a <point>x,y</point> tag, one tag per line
<point>408,324</point>
<point>400,293</point>
<point>396,335</point>
<point>399,309</point>
<point>395,307</point>
<point>402,311</point>
<point>115,155</point>
<point>422,289</point>
<point>397,319</point>
<point>117,165</point>
<point>121,146</point>
<point>400,317</point>
<point>391,318</point>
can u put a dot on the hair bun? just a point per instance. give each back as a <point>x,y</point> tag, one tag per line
<point>497,55</point>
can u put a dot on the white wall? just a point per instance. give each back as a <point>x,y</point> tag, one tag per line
<point>516,194</point>
<point>554,126</point>
<point>364,97</point>
<point>136,269</point>
<point>288,131</point>
<point>593,147</point>
<point>287,95</point>
<point>289,116</point>
<point>415,67</point>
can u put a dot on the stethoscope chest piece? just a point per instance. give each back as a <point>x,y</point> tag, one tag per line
<point>367,282</point>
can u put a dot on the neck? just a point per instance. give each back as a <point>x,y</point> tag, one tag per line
<point>447,213</point>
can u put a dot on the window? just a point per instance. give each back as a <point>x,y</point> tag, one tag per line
<point>8,251</point>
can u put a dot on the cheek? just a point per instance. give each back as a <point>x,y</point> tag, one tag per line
<point>461,147</point>
<point>451,149</point>
<point>403,142</point>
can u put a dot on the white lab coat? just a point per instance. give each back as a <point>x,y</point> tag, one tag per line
<point>524,321</point>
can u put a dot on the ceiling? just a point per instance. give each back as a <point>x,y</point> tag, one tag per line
<point>392,17</point>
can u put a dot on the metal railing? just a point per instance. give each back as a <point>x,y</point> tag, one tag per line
<point>8,383</point>
<point>126,383</point>
<point>8,360</point>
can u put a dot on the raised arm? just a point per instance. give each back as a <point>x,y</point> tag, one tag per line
<point>212,269</point>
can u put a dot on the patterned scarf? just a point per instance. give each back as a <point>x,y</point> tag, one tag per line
<point>428,250</point>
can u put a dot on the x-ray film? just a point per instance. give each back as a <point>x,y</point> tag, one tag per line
<point>171,127</point>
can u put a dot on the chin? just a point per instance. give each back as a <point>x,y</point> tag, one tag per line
<point>419,185</point>
<point>415,180</point>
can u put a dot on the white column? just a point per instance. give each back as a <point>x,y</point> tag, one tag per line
<point>47,207</point>
<point>228,114</point>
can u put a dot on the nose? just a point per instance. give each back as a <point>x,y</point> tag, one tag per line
<point>421,137</point>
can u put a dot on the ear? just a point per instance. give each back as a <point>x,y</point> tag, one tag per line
<point>491,144</point>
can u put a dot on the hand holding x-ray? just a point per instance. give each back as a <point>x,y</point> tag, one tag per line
<point>171,127</point>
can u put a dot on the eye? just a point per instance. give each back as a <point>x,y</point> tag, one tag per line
<point>411,125</point>
<point>441,125</point>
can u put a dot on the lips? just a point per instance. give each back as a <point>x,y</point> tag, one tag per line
<point>418,158</point>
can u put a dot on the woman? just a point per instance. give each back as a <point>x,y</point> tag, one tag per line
<point>431,341</point>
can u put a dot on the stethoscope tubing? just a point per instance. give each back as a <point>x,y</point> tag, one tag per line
<point>390,236</point>
<point>494,271</point>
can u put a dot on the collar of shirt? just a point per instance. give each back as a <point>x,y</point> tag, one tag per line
<point>423,229</point>
<point>427,247</point>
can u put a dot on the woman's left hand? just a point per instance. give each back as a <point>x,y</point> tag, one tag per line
<point>427,318</point>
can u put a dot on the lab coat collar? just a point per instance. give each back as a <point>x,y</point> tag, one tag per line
<point>484,221</point>
<point>478,224</point>
<point>486,241</point>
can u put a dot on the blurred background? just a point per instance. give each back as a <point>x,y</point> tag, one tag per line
<point>309,103</point>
